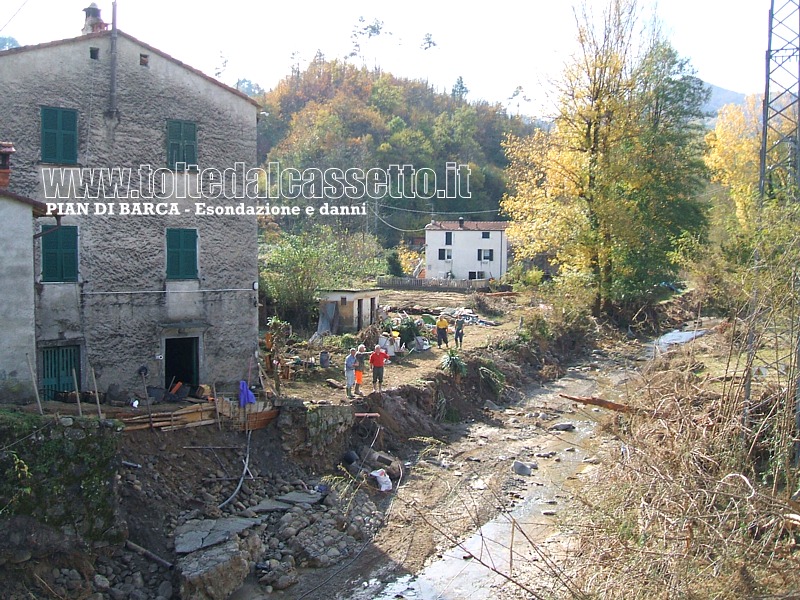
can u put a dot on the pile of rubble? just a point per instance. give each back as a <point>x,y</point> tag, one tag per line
<point>271,527</point>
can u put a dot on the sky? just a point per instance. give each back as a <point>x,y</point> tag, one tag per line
<point>494,46</point>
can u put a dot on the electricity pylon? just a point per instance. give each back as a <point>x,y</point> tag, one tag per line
<point>779,179</point>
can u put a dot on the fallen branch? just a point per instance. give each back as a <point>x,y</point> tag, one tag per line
<point>615,406</point>
<point>147,554</point>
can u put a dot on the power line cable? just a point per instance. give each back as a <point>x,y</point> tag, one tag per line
<point>385,222</point>
<point>428,212</point>
<point>14,15</point>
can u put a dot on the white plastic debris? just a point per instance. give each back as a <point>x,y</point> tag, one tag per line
<point>384,483</point>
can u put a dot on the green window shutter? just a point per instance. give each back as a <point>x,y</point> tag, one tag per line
<point>69,136</point>
<point>181,143</point>
<point>49,134</point>
<point>50,262</point>
<point>60,254</point>
<point>69,253</point>
<point>173,253</point>
<point>190,253</point>
<point>181,253</point>
<point>174,140</point>
<point>59,135</point>
<point>190,143</point>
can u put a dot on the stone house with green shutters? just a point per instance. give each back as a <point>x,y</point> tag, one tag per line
<point>132,286</point>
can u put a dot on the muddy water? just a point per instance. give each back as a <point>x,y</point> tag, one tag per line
<point>479,566</point>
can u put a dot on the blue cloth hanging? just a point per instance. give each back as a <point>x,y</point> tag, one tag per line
<point>245,395</point>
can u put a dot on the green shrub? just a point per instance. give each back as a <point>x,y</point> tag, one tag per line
<point>491,377</point>
<point>452,364</point>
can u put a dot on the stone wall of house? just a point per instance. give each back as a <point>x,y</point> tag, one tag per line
<point>319,434</point>
<point>123,308</point>
<point>17,341</point>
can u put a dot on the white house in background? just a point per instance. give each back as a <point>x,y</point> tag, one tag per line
<point>466,249</point>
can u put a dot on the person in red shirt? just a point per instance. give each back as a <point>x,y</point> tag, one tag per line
<point>377,360</point>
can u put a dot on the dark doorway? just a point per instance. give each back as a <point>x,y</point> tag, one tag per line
<point>181,361</point>
<point>360,316</point>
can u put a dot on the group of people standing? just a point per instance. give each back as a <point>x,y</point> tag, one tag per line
<point>458,331</point>
<point>355,365</point>
<point>356,362</point>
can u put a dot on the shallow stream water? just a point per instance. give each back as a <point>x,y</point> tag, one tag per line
<point>475,568</point>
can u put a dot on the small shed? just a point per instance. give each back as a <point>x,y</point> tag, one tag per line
<point>347,310</point>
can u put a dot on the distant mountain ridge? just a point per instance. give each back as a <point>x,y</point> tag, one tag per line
<point>720,97</point>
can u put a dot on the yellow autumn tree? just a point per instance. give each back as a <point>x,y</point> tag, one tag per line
<point>608,189</point>
<point>734,155</point>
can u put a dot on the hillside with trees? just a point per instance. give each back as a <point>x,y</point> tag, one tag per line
<point>334,115</point>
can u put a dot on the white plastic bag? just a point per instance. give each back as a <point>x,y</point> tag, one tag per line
<point>384,483</point>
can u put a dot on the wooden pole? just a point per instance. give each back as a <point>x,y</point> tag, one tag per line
<point>96,395</point>
<point>147,401</point>
<point>216,406</point>
<point>511,549</point>
<point>77,392</point>
<point>147,554</point>
<point>35,385</point>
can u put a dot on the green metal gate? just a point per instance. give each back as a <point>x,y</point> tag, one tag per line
<point>57,365</point>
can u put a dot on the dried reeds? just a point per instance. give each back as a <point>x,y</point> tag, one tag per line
<point>697,503</point>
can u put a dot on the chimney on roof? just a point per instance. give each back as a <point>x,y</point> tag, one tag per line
<point>6,150</point>
<point>94,22</point>
<point>461,222</point>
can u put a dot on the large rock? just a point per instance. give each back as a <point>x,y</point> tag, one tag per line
<point>215,573</point>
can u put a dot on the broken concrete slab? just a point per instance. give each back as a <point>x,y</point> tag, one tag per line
<point>270,505</point>
<point>203,533</point>
<point>297,497</point>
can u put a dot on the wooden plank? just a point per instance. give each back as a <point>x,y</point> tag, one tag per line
<point>187,425</point>
<point>192,409</point>
<point>139,418</point>
<point>137,427</point>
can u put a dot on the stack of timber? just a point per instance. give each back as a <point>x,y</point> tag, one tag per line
<point>221,411</point>
<point>195,415</point>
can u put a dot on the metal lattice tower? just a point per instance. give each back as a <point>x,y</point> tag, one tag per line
<point>780,141</point>
<point>779,179</point>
